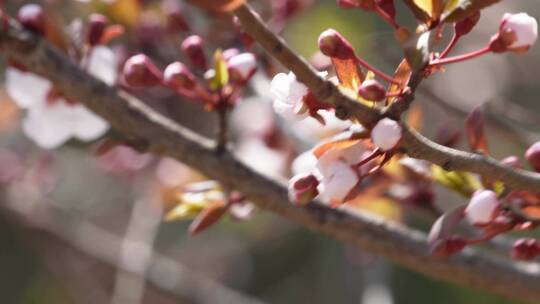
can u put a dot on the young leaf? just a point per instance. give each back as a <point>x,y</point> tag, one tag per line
<point>461,182</point>
<point>222,6</point>
<point>403,74</point>
<point>348,73</point>
<point>208,217</point>
<point>474,125</point>
<point>465,8</point>
<point>221,77</point>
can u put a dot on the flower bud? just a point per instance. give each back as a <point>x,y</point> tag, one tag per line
<point>466,25</point>
<point>525,249</point>
<point>334,45</point>
<point>193,48</point>
<point>533,156</point>
<point>178,77</point>
<point>452,245</point>
<point>517,32</point>
<point>303,188</point>
<point>176,21</point>
<point>139,72</point>
<point>242,66</point>
<point>482,207</point>
<point>230,53</point>
<point>386,134</point>
<point>372,90</point>
<point>32,17</point>
<point>512,161</point>
<point>96,28</point>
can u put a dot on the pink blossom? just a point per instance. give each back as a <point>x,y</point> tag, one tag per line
<point>386,134</point>
<point>523,26</point>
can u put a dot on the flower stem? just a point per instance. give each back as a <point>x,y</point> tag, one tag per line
<point>460,58</point>
<point>366,65</point>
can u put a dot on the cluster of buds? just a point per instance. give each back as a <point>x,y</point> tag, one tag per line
<point>217,84</point>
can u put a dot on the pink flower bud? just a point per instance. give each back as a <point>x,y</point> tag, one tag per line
<point>96,27</point>
<point>32,17</point>
<point>482,207</point>
<point>512,161</point>
<point>466,25</point>
<point>303,188</point>
<point>525,249</point>
<point>230,53</point>
<point>242,66</point>
<point>533,156</point>
<point>140,72</point>
<point>517,32</point>
<point>193,48</point>
<point>176,21</point>
<point>372,90</point>
<point>178,77</point>
<point>386,134</point>
<point>334,45</point>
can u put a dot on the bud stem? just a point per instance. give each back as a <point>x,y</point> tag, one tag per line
<point>460,58</point>
<point>450,46</point>
<point>366,65</point>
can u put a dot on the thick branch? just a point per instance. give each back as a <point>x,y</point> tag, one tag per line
<point>415,144</point>
<point>133,118</point>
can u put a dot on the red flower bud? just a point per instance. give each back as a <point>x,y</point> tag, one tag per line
<point>449,246</point>
<point>466,25</point>
<point>193,48</point>
<point>334,45</point>
<point>525,249</point>
<point>32,17</point>
<point>372,90</point>
<point>96,28</point>
<point>303,188</point>
<point>140,72</point>
<point>176,21</point>
<point>178,77</point>
<point>533,156</point>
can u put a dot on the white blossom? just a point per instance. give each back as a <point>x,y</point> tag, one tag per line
<point>243,64</point>
<point>287,93</point>
<point>52,124</point>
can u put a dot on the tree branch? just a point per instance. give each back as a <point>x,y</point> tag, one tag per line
<point>133,118</point>
<point>412,142</point>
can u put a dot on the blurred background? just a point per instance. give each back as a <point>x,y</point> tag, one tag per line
<point>82,226</point>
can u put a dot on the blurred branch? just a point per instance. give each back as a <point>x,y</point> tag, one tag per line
<point>51,228</point>
<point>402,245</point>
<point>413,143</point>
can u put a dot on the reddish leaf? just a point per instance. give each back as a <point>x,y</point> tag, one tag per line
<point>402,74</point>
<point>208,217</point>
<point>476,135</point>
<point>532,212</point>
<point>339,144</point>
<point>222,6</point>
<point>443,227</point>
<point>112,32</point>
<point>348,73</point>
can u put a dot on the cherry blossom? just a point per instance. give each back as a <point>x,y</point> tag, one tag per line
<point>288,94</point>
<point>51,123</point>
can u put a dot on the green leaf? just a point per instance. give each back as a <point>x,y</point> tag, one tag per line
<point>463,183</point>
<point>221,76</point>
